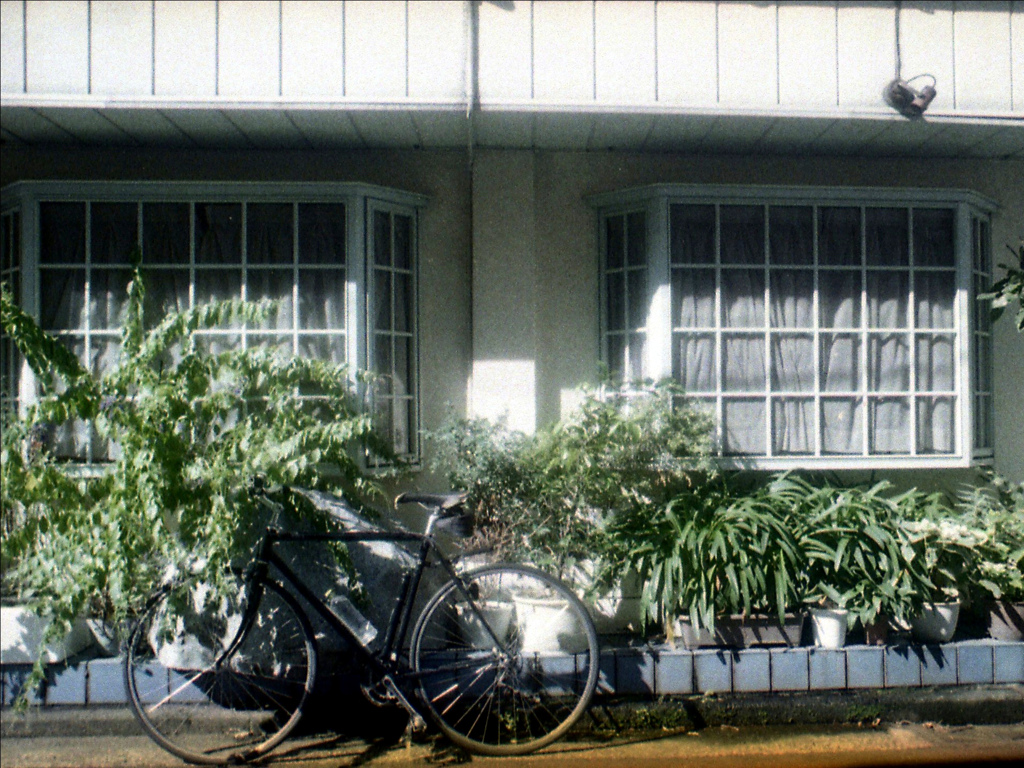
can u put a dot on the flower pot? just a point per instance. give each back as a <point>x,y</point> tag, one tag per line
<point>547,625</point>
<point>936,622</point>
<point>497,614</point>
<point>22,638</point>
<point>740,631</point>
<point>828,627</point>
<point>1006,621</point>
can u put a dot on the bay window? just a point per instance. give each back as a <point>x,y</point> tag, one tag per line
<point>338,260</point>
<point>823,328</point>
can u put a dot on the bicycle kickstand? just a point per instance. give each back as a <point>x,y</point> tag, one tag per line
<point>416,722</point>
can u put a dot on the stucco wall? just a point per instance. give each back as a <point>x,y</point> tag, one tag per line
<point>509,279</point>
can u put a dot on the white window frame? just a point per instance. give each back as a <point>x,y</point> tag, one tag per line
<point>359,201</point>
<point>969,207</point>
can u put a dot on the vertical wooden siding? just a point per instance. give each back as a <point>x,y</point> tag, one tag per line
<point>817,55</point>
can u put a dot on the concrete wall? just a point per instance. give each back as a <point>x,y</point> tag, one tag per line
<point>509,277</point>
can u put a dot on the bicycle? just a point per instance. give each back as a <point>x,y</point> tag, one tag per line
<point>503,658</point>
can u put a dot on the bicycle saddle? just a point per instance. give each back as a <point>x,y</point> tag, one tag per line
<point>443,501</point>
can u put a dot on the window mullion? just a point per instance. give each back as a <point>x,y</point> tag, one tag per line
<point>866,413</point>
<point>816,331</point>
<point>912,325</point>
<point>719,350</point>
<point>769,400</point>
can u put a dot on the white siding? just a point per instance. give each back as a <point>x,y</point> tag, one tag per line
<point>122,47</point>
<point>926,46</point>
<point>807,55</point>
<point>1017,52</point>
<point>438,49</point>
<point>747,54</point>
<point>624,55</point>
<point>505,53</point>
<point>248,41</point>
<point>866,45</point>
<point>57,47</point>
<point>375,50</point>
<point>185,58</point>
<point>12,52</point>
<point>312,49</point>
<point>687,52</point>
<point>563,51</point>
<point>981,40</point>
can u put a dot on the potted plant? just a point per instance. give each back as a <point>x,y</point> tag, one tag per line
<point>997,507</point>
<point>716,568</point>
<point>856,559</point>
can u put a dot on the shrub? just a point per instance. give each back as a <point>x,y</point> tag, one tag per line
<point>187,426</point>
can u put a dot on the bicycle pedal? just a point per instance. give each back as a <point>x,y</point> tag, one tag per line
<point>379,695</point>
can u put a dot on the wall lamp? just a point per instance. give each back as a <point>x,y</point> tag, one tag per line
<point>907,100</point>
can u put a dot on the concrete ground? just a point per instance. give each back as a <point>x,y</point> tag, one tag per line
<point>926,727</point>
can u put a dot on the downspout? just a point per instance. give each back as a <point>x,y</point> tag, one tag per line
<point>472,98</point>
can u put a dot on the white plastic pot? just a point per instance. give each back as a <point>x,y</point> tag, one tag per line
<point>936,623</point>
<point>828,627</point>
<point>22,637</point>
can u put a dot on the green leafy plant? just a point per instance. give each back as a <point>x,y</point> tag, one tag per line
<point>1009,288</point>
<point>997,508</point>
<point>548,497</point>
<point>856,550</point>
<point>709,552</point>
<point>186,425</point>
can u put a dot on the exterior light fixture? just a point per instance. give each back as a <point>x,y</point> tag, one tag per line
<point>907,100</point>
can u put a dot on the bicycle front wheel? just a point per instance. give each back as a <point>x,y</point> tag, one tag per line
<point>507,659</point>
<point>220,675</point>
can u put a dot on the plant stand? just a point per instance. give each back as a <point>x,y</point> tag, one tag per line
<point>742,631</point>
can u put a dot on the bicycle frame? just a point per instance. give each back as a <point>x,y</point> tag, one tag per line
<point>386,660</point>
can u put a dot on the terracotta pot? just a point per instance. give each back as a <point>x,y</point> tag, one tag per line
<point>1006,621</point>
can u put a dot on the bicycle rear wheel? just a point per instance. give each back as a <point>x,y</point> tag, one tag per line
<point>507,660</point>
<point>216,678</point>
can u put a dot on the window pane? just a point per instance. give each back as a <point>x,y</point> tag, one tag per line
<point>62,299</point>
<point>793,363</point>
<point>888,299</point>
<point>840,362</point>
<point>935,363</point>
<point>62,233</point>
<point>890,425</point>
<point>403,302</point>
<point>936,424</point>
<point>269,229</point>
<point>403,242</point>
<point>791,235</point>
<point>933,237</point>
<point>934,294</point>
<point>213,284</point>
<point>791,298</point>
<point>743,363</point>
<point>839,236</point>
<point>839,298</point>
<point>615,232</point>
<point>887,239</point>
<point>615,283</point>
<point>743,298</point>
<point>218,233</point>
<point>321,299</point>
<point>742,234</point>
<point>693,362</point>
<point>693,298</point>
<point>793,426</point>
<point>114,232</point>
<point>331,348</point>
<point>616,356</point>
<point>383,316</point>
<point>165,233</point>
<point>637,342</point>
<point>693,234</point>
<point>888,362</point>
<point>382,255</point>
<point>743,426</point>
<point>636,280</point>
<point>276,285</point>
<point>383,362</point>
<point>842,426</point>
<point>322,234</point>
<point>108,294</point>
<point>636,239</point>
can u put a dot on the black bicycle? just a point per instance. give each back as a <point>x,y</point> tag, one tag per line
<point>503,658</point>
